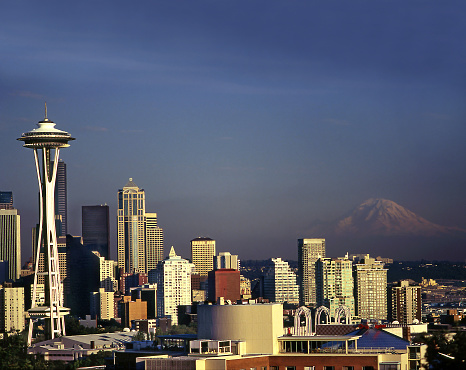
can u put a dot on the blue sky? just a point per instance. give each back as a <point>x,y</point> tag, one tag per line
<point>244,121</point>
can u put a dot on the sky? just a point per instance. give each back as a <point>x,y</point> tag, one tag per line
<point>243,121</point>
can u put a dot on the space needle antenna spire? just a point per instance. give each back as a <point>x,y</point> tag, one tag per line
<point>46,141</point>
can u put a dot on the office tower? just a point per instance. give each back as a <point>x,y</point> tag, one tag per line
<point>371,289</point>
<point>132,310</point>
<point>202,255</point>
<point>96,229</point>
<point>131,228</point>
<point>11,308</point>
<point>102,304</point>
<point>280,283</point>
<point>46,142</point>
<point>146,293</point>
<point>6,200</point>
<point>245,287</point>
<point>10,241</point>
<point>225,260</point>
<point>107,273</point>
<point>309,251</point>
<point>154,242</point>
<point>61,208</point>
<point>406,305</point>
<point>173,285</point>
<point>224,283</point>
<point>334,284</point>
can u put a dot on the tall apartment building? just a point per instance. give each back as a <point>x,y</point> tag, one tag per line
<point>406,304</point>
<point>371,289</point>
<point>154,242</point>
<point>173,285</point>
<point>334,283</point>
<point>10,241</point>
<point>11,308</point>
<point>280,283</point>
<point>226,260</point>
<point>107,273</point>
<point>96,229</point>
<point>61,204</point>
<point>309,251</point>
<point>102,304</point>
<point>202,255</point>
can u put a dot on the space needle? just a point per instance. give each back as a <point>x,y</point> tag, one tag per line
<point>46,142</point>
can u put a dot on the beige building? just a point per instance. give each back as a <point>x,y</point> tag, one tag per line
<point>202,255</point>
<point>107,270</point>
<point>154,242</point>
<point>309,251</point>
<point>11,308</point>
<point>102,304</point>
<point>226,260</point>
<point>371,289</point>
<point>10,241</point>
<point>406,303</point>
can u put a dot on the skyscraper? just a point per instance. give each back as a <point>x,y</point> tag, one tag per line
<point>48,140</point>
<point>96,229</point>
<point>11,308</point>
<point>225,260</point>
<point>61,203</point>
<point>406,305</point>
<point>131,228</point>
<point>10,241</point>
<point>309,251</point>
<point>202,255</point>
<point>6,200</point>
<point>334,283</point>
<point>173,285</point>
<point>154,242</point>
<point>280,283</point>
<point>371,289</point>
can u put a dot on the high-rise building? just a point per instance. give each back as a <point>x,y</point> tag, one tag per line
<point>46,142</point>
<point>146,293</point>
<point>154,242</point>
<point>334,284</point>
<point>371,289</point>
<point>6,200</point>
<point>280,283</point>
<point>102,304</point>
<point>406,304</point>
<point>309,251</point>
<point>11,308</point>
<point>10,241</point>
<point>61,203</point>
<point>96,229</point>
<point>173,285</point>
<point>202,255</point>
<point>131,228</point>
<point>224,283</point>
<point>107,273</point>
<point>225,260</point>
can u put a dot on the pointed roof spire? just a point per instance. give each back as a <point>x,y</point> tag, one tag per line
<point>172,252</point>
<point>45,119</point>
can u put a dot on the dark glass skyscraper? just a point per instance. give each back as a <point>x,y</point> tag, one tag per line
<point>6,200</point>
<point>96,229</point>
<point>60,197</point>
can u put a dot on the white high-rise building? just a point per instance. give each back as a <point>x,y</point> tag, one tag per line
<point>10,241</point>
<point>11,308</point>
<point>173,285</point>
<point>107,270</point>
<point>280,283</point>
<point>334,283</point>
<point>202,255</point>
<point>309,251</point>
<point>226,260</point>
<point>371,289</point>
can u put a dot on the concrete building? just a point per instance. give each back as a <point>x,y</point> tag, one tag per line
<point>146,293</point>
<point>10,241</point>
<point>131,228</point>
<point>102,304</point>
<point>107,273</point>
<point>280,283</point>
<point>224,283</point>
<point>96,229</point>
<point>11,308</point>
<point>406,304</point>
<point>202,255</point>
<point>371,289</point>
<point>173,285</point>
<point>225,260</point>
<point>154,242</point>
<point>309,251</point>
<point>132,310</point>
<point>334,284</point>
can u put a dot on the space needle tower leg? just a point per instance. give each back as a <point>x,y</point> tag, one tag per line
<point>47,141</point>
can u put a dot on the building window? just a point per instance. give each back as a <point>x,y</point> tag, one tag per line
<point>391,366</point>
<point>348,367</point>
<point>309,368</point>
<point>370,368</point>
<point>291,368</point>
<point>329,367</point>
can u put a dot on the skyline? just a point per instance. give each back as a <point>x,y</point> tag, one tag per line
<point>242,122</point>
